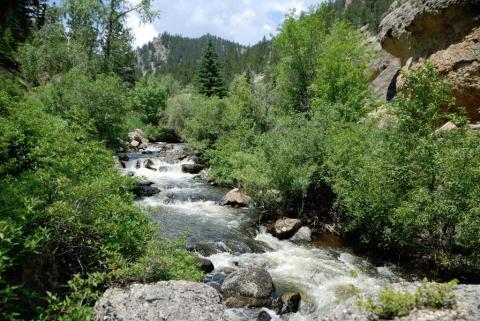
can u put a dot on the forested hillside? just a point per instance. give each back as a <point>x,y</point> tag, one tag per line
<point>179,56</point>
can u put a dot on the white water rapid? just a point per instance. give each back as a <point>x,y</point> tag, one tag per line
<point>229,237</point>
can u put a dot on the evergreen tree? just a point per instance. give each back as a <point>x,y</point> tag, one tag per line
<point>210,80</point>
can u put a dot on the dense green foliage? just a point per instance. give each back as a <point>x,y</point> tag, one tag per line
<point>209,76</point>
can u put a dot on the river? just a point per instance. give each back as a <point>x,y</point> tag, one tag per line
<point>323,273</point>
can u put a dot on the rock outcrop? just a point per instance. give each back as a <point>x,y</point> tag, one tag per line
<point>250,287</point>
<point>137,140</point>
<point>447,32</point>
<point>236,198</point>
<point>162,301</point>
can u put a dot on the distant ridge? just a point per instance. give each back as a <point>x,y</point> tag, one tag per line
<point>178,56</point>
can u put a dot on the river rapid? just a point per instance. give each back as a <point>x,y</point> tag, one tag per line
<point>324,274</point>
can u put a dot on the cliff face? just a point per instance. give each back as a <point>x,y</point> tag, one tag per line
<point>447,32</point>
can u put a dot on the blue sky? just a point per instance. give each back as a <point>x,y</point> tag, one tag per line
<point>243,21</point>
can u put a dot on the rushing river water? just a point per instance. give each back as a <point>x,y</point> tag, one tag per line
<point>230,238</point>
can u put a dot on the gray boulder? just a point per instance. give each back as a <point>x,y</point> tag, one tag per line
<point>162,301</point>
<point>250,287</point>
<point>236,198</point>
<point>285,228</point>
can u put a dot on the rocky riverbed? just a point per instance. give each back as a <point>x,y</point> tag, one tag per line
<point>254,273</point>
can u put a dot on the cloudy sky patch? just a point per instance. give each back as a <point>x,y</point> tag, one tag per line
<point>243,21</point>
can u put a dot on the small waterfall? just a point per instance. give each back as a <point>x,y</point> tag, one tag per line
<point>186,206</point>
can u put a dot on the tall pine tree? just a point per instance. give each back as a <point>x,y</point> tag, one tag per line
<point>210,80</point>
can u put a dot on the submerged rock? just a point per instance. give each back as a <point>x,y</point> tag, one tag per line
<point>162,301</point>
<point>145,189</point>
<point>288,302</point>
<point>149,164</point>
<point>247,287</point>
<point>205,264</point>
<point>264,316</point>
<point>193,168</point>
<point>304,234</point>
<point>236,198</point>
<point>285,228</point>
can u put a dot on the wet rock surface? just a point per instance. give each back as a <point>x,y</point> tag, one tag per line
<point>205,264</point>
<point>162,301</point>
<point>193,168</point>
<point>145,189</point>
<point>285,228</point>
<point>236,198</point>
<point>288,302</point>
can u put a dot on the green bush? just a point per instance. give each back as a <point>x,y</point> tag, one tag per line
<point>96,105</point>
<point>391,304</point>
<point>149,99</point>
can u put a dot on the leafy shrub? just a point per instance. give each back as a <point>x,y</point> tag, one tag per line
<point>391,304</point>
<point>97,105</point>
<point>150,98</point>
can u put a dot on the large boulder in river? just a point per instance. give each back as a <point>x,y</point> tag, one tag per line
<point>285,228</point>
<point>236,198</point>
<point>250,287</point>
<point>447,32</point>
<point>193,168</point>
<point>162,301</point>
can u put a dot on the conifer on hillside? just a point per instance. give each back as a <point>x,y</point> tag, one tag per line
<point>210,80</point>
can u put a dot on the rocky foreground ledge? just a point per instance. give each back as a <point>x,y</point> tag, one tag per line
<point>162,301</point>
<point>190,301</point>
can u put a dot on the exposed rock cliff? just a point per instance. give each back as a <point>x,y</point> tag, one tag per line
<point>447,32</point>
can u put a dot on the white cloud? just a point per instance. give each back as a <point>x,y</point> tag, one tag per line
<point>242,21</point>
<point>142,33</point>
